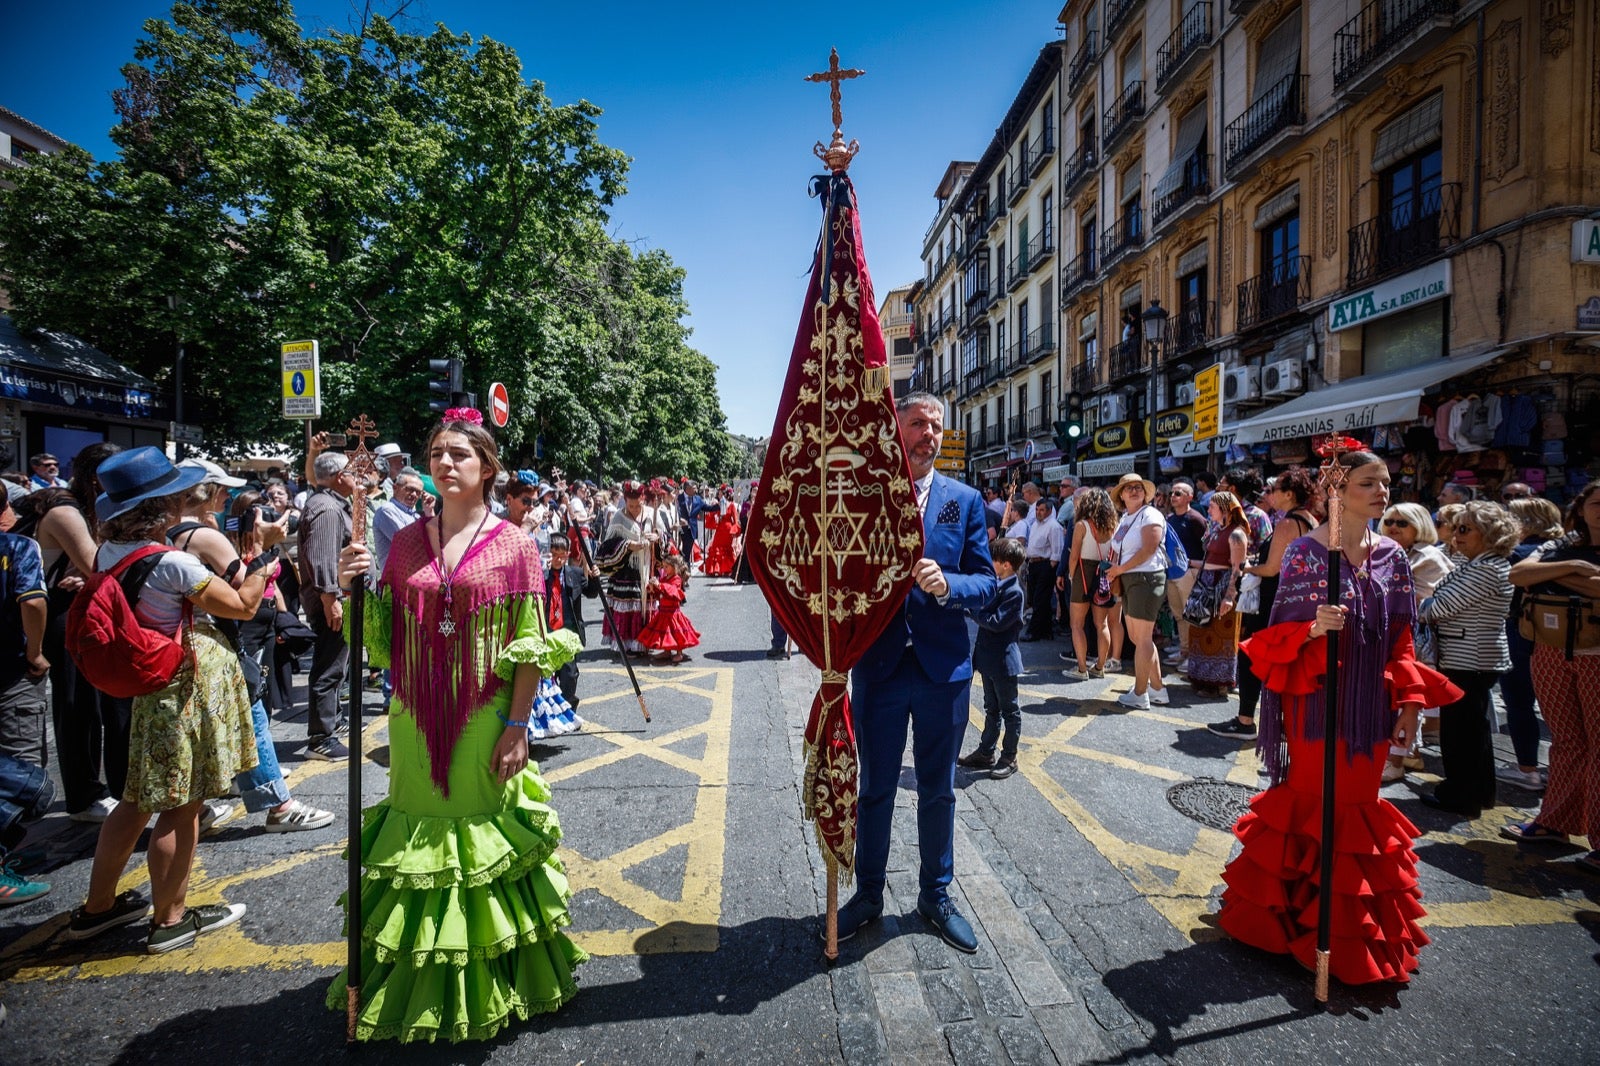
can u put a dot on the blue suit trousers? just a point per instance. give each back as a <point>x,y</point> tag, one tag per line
<point>936,713</point>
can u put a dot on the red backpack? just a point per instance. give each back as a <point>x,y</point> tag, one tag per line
<point>115,652</point>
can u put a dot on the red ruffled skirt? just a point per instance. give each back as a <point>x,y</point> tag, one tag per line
<point>1273,885</point>
<point>669,631</point>
<point>719,557</point>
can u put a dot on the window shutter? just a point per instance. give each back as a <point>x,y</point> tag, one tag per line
<point>1191,131</point>
<point>1281,204</point>
<point>1194,259</point>
<point>1279,56</point>
<point>1131,179</point>
<point>1409,133</point>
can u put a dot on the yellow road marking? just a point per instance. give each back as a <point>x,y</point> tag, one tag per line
<point>688,923</point>
<point>1179,886</point>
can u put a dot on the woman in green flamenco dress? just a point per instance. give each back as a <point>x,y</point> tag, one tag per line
<point>463,900</point>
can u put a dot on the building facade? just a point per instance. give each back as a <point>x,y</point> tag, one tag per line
<point>896,318</point>
<point>1378,218</point>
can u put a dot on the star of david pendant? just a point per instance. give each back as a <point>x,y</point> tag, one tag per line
<point>447,627</point>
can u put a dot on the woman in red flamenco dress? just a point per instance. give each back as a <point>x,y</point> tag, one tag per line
<point>1272,886</point>
<point>720,559</point>
<point>669,633</point>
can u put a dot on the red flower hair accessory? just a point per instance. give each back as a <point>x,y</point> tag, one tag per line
<point>1337,445</point>
<point>464,414</point>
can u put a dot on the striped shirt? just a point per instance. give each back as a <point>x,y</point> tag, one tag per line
<point>1468,609</point>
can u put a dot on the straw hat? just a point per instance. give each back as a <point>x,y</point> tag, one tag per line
<point>1134,479</point>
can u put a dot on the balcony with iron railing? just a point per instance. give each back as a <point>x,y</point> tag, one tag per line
<point>1017,428</point>
<point>1085,377</point>
<point>1029,258</point>
<point>1124,235</point>
<point>985,438</point>
<point>1040,343</point>
<point>1040,151</point>
<point>1127,360</point>
<point>1383,32</point>
<point>1082,63</point>
<point>1122,116</point>
<point>1277,291</point>
<point>1077,166</point>
<point>1194,327</point>
<point>947,380</point>
<point>996,211</point>
<point>978,290</point>
<point>1039,420</point>
<point>1280,112</point>
<point>1078,272</point>
<point>1011,359</point>
<point>1183,46</point>
<point>1119,13</point>
<point>1405,236</point>
<point>1194,189</point>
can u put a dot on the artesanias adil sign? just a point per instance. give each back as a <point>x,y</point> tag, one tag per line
<point>1390,297</point>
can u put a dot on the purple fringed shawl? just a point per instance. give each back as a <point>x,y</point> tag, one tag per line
<point>443,680</point>
<point>1381,606</point>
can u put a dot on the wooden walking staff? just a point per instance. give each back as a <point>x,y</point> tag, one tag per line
<point>361,465</point>
<point>611,620</point>
<point>1331,479</point>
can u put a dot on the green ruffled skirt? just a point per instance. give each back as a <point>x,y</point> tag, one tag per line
<point>463,899</point>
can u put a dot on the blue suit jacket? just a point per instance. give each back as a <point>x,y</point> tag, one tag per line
<point>995,651</point>
<point>955,539</point>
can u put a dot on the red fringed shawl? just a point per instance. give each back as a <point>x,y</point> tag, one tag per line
<point>442,680</point>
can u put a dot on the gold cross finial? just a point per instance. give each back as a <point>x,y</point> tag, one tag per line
<point>837,154</point>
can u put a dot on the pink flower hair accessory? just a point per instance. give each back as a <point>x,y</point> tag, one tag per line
<point>464,414</point>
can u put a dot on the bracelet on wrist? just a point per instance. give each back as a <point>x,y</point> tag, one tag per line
<point>510,722</point>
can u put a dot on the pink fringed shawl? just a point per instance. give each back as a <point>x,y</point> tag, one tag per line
<point>442,680</point>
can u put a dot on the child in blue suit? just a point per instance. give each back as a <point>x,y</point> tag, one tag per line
<point>998,660</point>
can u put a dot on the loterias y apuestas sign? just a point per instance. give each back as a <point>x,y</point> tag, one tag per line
<point>1390,297</point>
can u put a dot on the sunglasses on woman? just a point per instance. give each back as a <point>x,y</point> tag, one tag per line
<point>1398,523</point>
<point>1464,530</point>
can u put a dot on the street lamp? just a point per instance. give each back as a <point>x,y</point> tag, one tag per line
<point>1155,339</point>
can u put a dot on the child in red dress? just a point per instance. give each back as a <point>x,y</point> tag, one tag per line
<point>669,631</point>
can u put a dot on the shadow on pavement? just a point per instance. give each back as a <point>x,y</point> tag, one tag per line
<point>740,656</point>
<point>757,962</point>
<point>1182,986</point>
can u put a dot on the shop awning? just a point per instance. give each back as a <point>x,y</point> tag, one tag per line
<point>1364,403</point>
<point>61,370</point>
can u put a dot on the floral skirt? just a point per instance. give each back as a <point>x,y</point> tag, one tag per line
<point>188,741</point>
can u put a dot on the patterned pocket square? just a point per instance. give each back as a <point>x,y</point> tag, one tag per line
<point>949,513</point>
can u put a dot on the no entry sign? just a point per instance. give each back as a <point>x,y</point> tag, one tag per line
<point>499,405</point>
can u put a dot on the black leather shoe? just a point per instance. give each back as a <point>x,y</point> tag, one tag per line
<point>1003,769</point>
<point>1431,799</point>
<point>978,760</point>
<point>857,912</point>
<point>948,923</point>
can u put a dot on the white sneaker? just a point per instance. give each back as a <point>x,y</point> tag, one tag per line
<point>1182,667</point>
<point>298,817</point>
<point>1076,674</point>
<point>96,811</point>
<point>1134,700</point>
<point>1159,695</point>
<point>214,812</point>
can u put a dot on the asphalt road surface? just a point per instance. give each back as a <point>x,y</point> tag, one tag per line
<point>1091,877</point>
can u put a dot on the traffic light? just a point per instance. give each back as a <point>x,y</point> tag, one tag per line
<point>1070,428</point>
<point>445,383</point>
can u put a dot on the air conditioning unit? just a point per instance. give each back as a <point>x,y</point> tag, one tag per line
<point>1186,393</point>
<point>1283,377</point>
<point>1242,384</point>
<point>1113,409</point>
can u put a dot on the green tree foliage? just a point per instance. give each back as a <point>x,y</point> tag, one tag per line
<point>396,196</point>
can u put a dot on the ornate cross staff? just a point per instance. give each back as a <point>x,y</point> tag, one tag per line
<point>837,154</point>
<point>361,466</point>
<point>1331,479</point>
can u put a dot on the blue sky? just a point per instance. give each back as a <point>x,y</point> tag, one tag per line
<point>707,98</point>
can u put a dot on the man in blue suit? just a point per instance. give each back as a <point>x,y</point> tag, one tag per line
<point>918,674</point>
